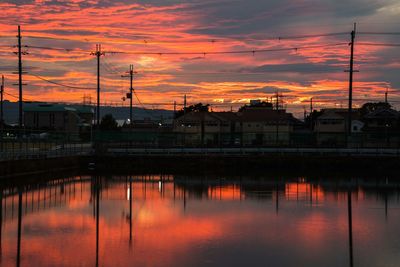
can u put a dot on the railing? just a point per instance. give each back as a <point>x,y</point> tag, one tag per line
<point>29,144</point>
<point>46,150</point>
<point>388,152</point>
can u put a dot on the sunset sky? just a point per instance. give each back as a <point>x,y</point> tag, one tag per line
<point>203,26</point>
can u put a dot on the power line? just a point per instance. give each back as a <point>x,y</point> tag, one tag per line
<point>227,52</point>
<point>61,84</point>
<point>211,40</point>
<point>378,44</point>
<point>17,97</point>
<point>144,108</point>
<point>58,49</point>
<point>204,53</point>
<point>379,33</point>
<point>248,51</point>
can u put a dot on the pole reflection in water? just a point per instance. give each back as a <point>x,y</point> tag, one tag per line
<point>130,211</point>
<point>1,223</point>
<point>19,226</point>
<point>386,206</point>
<point>350,222</point>
<point>276,199</point>
<point>97,185</point>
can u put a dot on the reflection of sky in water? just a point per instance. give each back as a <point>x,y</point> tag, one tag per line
<point>202,223</point>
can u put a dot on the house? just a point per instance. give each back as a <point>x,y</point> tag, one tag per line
<point>331,126</point>
<point>266,127</point>
<point>254,125</point>
<point>58,117</point>
<point>382,127</point>
<point>206,128</point>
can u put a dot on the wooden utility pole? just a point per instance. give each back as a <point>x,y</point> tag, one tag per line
<point>351,71</point>
<point>184,104</point>
<point>20,122</point>
<point>1,102</point>
<point>386,95</point>
<point>130,94</point>
<point>1,115</point>
<point>98,54</point>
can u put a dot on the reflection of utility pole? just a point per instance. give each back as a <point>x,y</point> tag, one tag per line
<point>276,198</point>
<point>97,218</point>
<point>1,221</point>
<point>350,222</point>
<point>386,206</point>
<point>19,227</point>
<point>130,210</point>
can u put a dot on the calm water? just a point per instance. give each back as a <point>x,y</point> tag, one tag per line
<point>189,221</point>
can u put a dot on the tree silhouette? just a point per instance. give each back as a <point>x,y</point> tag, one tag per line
<point>262,104</point>
<point>193,108</point>
<point>371,107</point>
<point>108,123</point>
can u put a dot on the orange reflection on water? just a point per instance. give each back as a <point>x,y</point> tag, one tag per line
<point>228,192</point>
<point>303,191</point>
<point>174,223</point>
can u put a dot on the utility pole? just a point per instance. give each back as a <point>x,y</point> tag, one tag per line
<point>130,94</point>
<point>1,102</point>
<point>184,104</point>
<point>19,77</point>
<point>351,71</point>
<point>386,95</point>
<point>98,54</point>
<point>311,114</point>
<point>184,120</point>
<point>1,115</point>
<point>174,108</point>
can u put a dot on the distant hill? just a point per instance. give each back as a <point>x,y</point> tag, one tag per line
<point>119,113</point>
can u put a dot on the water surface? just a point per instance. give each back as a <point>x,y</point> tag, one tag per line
<point>198,221</point>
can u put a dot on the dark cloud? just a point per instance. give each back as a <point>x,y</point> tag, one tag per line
<point>254,16</point>
<point>295,67</point>
<point>267,90</point>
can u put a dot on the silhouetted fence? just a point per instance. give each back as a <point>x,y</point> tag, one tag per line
<point>22,144</point>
